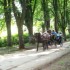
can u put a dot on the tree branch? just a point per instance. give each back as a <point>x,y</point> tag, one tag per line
<point>17,14</point>
<point>34,7</point>
<point>1,2</point>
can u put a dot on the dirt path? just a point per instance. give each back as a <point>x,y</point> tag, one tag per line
<point>61,64</point>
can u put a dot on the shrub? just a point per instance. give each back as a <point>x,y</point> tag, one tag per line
<point>15,40</point>
<point>26,38</point>
<point>3,42</point>
<point>68,37</point>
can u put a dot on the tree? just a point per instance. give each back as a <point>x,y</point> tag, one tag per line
<point>55,7</point>
<point>7,13</point>
<point>64,18</point>
<point>45,7</point>
<point>63,12</point>
<point>19,16</point>
<point>30,9</point>
<point>68,16</point>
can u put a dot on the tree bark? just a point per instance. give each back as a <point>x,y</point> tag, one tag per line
<point>7,12</point>
<point>20,35</point>
<point>29,15</point>
<point>64,34</point>
<point>46,14</point>
<point>56,24</point>
<point>19,21</point>
<point>55,6</point>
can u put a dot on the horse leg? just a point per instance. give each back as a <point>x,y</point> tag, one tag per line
<point>55,42</point>
<point>43,43</point>
<point>37,46</point>
<point>61,42</point>
<point>47,44</point>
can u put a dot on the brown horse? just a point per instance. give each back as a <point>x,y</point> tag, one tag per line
<point>44,39</point>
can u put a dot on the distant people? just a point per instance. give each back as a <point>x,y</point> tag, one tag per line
<point>59,38</point>
<point>59,34</point>
<point>54,32</point>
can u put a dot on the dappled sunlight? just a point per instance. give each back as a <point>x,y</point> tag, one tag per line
<point>4,33</point>
<point>32,50</point>
<point>55,49</point>
<point>14,29</point>
<point>28,53</point>
<point>1,58</point>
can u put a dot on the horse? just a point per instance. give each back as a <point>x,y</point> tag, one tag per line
<point>42,38</point>
<point>46,39</point>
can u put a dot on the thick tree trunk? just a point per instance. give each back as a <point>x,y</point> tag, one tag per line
<point>64,19</point>
<point>56,24</point>
<point>20,35</point>
<point>43,28</point>
<point>30,9</point>
<point>64,34</point>
<point>46,14</point>
<point>30,28</point>
<point>29,24</point>
<point>8,24</point>
<point>55,6</point>
<point>7,12</point>
<point>48,24</point>
<point>19,21</point>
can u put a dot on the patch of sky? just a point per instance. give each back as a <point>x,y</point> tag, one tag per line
<point>18,5</point>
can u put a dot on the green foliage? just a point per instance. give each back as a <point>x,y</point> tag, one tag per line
<point>26,38</point>
<point>68,36</point>
<point>15,40</point>
<point>2,25</point>
<point>3,42</point>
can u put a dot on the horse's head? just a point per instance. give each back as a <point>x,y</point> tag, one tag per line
<point>49,31</point>
<point>37,36</point>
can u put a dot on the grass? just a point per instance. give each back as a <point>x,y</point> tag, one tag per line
<point>9,50</point>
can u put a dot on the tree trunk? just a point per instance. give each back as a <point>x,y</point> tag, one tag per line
<point>43,28</point>
<point>55,6</point>
<point>19,21</point>
<point>56,24</point>
<point>30,9</point>
<point>46,14</point>
<point>7,12</point>
<point>64,34</point>
<point>64,19</point>
<point>20,35</point>
<point>29,25</point>
<point>8,24</point>
<point>48,24</point>
<point>30,30</point>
